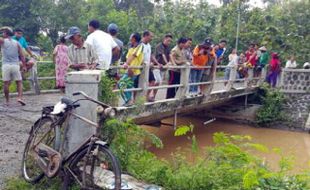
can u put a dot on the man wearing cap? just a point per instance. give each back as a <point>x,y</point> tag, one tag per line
<point>102,43</point>
<point>113,31</point>
<point>201,55</point>
<point>81,54</point>
<point>11,56</point>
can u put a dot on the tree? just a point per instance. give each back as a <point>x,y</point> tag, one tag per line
<point>18,14</point>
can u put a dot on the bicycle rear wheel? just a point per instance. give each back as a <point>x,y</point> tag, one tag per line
<point>99,170</point>
<point>31,171</point>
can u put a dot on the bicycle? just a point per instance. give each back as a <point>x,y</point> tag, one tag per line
<point>92,165</point>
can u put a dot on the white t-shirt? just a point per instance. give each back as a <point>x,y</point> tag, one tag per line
<point>103,43</point>
<point>147,52</point>
<point>290,64</point>
<point>233,59</point>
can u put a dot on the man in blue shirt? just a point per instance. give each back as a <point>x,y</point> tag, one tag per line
<point>18,36</point>
<point>221,50</point>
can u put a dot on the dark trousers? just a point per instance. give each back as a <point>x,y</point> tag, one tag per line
<point>272,78</point>
<point>174,78</point>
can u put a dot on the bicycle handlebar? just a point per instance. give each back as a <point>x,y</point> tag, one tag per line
<point>91,99</point>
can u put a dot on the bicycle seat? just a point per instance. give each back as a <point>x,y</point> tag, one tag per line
<point>47,109</point>
<point>70,103</point>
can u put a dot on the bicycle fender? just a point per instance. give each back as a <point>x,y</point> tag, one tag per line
<point>33,127</point>
<point>101,142</point>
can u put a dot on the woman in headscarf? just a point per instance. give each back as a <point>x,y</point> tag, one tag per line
<point>274,69</point>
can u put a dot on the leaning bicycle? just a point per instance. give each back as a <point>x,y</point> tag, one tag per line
<point>92,165</point>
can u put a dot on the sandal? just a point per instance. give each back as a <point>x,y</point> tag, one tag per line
<point>21,102</point>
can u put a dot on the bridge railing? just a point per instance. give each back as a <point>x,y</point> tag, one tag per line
<point>214,83</point>
<point>35,78</point>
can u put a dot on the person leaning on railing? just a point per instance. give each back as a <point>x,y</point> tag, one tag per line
<point>177,58</point>
<point>207,74</point>
<point>134,58</point>
<point>200,59</point>
<point>81,54</point>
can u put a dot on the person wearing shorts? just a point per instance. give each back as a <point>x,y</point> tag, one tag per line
<point>11,56</point>
<point>150,60</point>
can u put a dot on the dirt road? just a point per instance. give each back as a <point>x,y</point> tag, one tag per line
<point>15,123</point>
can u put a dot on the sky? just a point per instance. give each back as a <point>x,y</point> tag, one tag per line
<point>255,3</point>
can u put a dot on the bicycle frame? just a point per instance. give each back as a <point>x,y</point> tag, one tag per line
<point>89,142</point>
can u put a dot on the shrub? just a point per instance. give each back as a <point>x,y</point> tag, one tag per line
<point>272,106</point>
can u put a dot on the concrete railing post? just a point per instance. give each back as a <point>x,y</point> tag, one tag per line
<point>78,131</point>
<point>34,80</point>
<point>248,80</point>
<point>280,79</point>
<point>184,80</point>
<point>211,78</point>
<point>232,78</point>
<point>144,80</point>
<point>263,76</point>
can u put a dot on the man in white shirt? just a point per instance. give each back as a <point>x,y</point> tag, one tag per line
<point>103,44</point>
<point>149,59</point>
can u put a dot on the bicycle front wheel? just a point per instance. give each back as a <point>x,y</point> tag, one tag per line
<point>97,170</point>
<point>42,132</point>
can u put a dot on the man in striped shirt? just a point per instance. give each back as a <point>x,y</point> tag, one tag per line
<point>81,54</point>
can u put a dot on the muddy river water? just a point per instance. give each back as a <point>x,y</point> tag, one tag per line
<point>291,143</point>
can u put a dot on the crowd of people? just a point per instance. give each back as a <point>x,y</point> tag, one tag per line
<point>101,49</point>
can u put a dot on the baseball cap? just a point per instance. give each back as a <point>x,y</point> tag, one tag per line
<point>72,31</point>
<point>112,27</point>
<point>207,42</point>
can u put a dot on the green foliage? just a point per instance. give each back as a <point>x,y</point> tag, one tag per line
<point>106,94</point>
<point>272,104</point>
<point>128,140</point>
<point>227,165</point>
<point>183,130</point>
<point>282,25</point>
<point>17,183</point>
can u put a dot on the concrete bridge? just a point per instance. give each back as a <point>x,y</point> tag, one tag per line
<point>216,92</point>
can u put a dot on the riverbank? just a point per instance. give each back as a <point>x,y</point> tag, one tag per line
<point>292,143</point>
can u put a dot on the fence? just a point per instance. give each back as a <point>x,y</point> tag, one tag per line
<point>213,84</point>
<point>35,78</point>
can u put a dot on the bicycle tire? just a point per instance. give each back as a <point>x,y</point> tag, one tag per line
<point>28,173</point>
<point>88,177</point>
